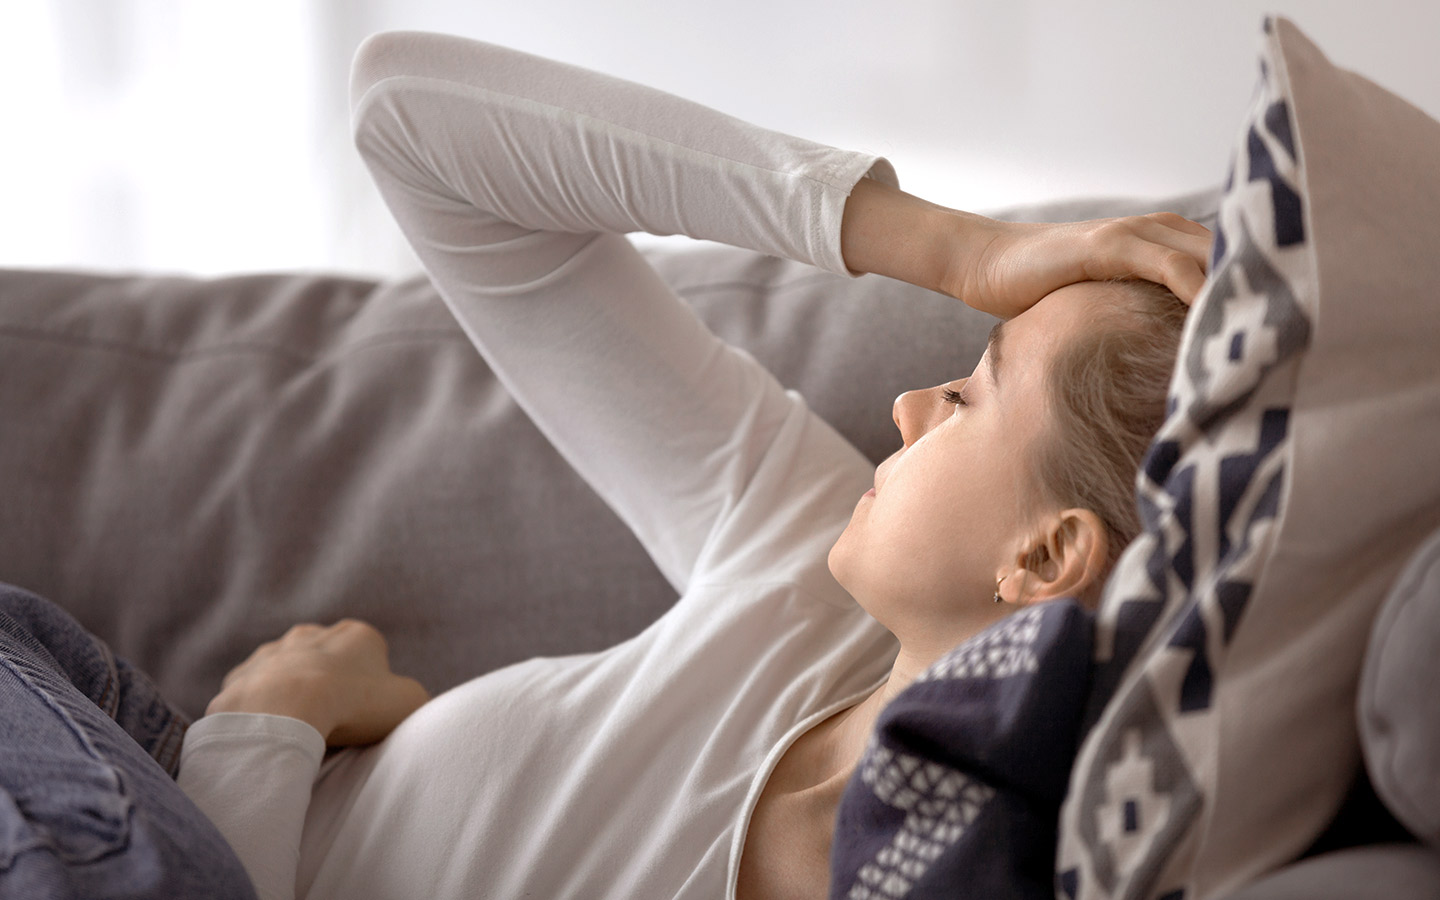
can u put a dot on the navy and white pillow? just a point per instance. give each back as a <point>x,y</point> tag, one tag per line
<point>962,781</point>
<point>1292,479</point>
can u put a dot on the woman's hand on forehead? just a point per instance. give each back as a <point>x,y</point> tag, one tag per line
<point>1004,268</point>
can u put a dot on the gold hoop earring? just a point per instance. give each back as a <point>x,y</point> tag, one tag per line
<point>998,582</point>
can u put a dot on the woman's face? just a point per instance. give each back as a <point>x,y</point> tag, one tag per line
<point>953,510</point>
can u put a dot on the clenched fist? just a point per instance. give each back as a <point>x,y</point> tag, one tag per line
<point>336,677</point>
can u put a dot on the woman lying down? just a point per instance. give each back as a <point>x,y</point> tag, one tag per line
<point>706,757</point>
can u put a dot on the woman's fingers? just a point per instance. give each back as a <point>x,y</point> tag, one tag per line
<point>1161,247</point>
<point>1005,268</point>
<point>1183,273</point>
<point>353,637</point>
<point>1178,233</point>
<point>1179,223</point>
<point>389,701</point>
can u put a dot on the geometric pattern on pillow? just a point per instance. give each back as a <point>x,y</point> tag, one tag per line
<point>1004,649</point>
<point>1211,494</point>
<point>939,804</point>
<point>960,786</point>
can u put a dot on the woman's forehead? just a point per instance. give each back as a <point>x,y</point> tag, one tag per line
<point>1071,308</point>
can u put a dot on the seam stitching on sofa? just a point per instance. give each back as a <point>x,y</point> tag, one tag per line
<point>234,348</point>
<point>806,281</point>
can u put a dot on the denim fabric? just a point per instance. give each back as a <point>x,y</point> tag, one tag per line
<point>88,750</point>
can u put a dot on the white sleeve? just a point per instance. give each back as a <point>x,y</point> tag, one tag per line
<point>252,774</point>
<point>513,177</point>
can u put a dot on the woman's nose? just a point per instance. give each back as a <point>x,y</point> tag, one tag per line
<point>916,412</point>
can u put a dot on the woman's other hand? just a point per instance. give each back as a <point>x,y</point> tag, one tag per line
<point>337,678</point>
<point>1004,268</point>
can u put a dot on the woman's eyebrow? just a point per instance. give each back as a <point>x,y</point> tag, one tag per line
<point>992,352</point>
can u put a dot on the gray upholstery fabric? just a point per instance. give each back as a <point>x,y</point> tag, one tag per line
<point>190,466</point>
<point>1389,871</point>
<point>1399,716</point>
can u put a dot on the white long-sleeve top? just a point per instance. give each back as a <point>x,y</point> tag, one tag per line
<point>632,772</point>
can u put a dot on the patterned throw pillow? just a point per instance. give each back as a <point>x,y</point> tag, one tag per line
<point>1292,479</point>
<point>962,781</point>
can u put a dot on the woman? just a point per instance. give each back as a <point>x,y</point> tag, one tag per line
<point>706,756</point>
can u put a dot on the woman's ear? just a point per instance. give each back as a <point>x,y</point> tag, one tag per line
<point>1067,559</point>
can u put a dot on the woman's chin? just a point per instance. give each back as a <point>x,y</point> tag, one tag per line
<point>841,559</point>
<point>842,566</point>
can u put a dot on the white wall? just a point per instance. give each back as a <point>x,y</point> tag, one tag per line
<point>212,137</point>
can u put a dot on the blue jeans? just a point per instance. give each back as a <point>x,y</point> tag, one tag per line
<point>88,752</point>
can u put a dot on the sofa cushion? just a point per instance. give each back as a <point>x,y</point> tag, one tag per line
<point>1391,871</point>
<point>1292,479</point>
<point>1399,718</point>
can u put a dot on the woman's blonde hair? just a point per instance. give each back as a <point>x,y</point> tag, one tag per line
<point>1107,393</point>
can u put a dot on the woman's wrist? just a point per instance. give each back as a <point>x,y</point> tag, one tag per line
<point>888,232</point>
<point>273,697</point>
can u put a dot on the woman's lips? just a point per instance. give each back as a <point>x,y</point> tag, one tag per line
<point>869,493</point>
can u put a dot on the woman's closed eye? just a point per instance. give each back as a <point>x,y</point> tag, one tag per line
<point>955,397</point>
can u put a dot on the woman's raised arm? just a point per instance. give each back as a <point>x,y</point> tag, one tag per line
<point>513,177</point>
